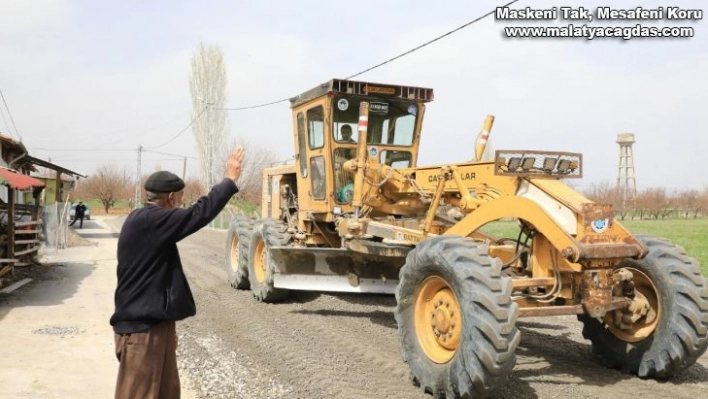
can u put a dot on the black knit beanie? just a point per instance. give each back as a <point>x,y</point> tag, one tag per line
<point>163,182</point>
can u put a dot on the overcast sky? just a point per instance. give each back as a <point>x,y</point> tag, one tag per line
<point>105,77</point>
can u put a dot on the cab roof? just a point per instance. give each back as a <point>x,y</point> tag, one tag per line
<point>379,90</point>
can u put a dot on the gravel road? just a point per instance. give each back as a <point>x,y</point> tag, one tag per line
<point>317,345</point>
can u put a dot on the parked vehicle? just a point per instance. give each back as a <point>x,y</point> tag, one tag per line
<point>87,213</point>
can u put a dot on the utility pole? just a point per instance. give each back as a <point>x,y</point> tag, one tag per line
<point>138,179</point>
<point>210,146</point>
<point>184,168</point>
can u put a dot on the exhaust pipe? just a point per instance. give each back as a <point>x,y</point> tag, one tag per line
<point>483,137</point>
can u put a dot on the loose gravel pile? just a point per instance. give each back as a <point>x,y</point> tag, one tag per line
<point>62,331</point>
<point>216,371</point>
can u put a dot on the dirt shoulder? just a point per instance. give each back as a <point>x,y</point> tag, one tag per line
<point>57,340</point>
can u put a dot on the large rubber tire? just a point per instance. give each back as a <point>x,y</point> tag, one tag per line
<point>266,234</point>
<point>484,353</point>
<point>680,334</point>
<point>237,249</point>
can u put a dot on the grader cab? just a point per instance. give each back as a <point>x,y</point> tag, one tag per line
<point>355,213</point>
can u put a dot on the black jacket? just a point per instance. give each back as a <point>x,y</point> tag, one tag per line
<point>152,286</point>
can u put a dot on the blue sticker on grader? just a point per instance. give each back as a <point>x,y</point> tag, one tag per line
<point>600,225</point>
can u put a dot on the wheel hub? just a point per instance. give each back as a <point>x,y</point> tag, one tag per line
<point>445,320</point>
<point>261,262</point>
<point>438,322</point>
<point>234,254</point>
<point>637,321</point>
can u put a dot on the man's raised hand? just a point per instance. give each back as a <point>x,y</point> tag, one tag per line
<point>234,164</point>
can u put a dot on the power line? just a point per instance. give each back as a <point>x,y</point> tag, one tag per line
<point>268,103</point>
<point>82,149</point>
<point>146,127</point>
<point>10,115</point>
<point>433,40</point>
<point>253,106</point>
<point>111,150</point>
<point>181,131</point>
<point>167,153</point>
<point>7,126</point>
<point>122,160</point>
<point>387,61</point>
<point>127,149</point>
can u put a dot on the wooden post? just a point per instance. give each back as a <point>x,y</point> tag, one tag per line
<point>10,222</point>
<point>35,210</point>
<point>59,194</point>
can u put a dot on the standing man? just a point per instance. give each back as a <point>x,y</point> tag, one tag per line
<point>79,214</point>
<point>153,292</point>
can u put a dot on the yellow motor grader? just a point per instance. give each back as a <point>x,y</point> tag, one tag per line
<point>356,213</point>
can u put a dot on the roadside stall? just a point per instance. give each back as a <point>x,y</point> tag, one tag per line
<point>20,226</point>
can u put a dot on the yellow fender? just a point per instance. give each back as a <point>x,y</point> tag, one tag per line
<point>522,208</point>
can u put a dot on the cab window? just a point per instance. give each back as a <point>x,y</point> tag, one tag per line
<point>317,177</point>
<point>391,122</point>
<point>343,180</point>
<point>301,143</point>
<point>315,127</point>
<point>396,159</point>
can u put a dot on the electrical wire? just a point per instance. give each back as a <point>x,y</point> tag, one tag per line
<point>146,127</point>
<point>83,150</point>
<point>433,40</point>
<point>7,125</point>
<point>387,61</point>
<point>10,115</point>
<point>281,100</point>
<point>180,133</point>
<point>253,106</point>
<point>131,161</point>
<point>167,153</point>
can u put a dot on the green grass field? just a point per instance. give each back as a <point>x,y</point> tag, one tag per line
<point>97,207</point>
<point>691,234</point>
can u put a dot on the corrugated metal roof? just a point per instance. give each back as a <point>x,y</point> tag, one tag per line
<point>49,165</point>
<point>9,177</point>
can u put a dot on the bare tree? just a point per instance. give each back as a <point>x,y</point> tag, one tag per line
<point>257,159</point>
<point>687,201</point>
<point>607,193</point>
<point>193,190</point>
<point>207,85</point>
<point>654,202</point>
<point>703,200</point>
<point>109,184</point>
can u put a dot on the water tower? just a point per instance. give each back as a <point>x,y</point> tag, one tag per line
<point>625,177</point>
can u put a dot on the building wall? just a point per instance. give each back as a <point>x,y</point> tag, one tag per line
<point>20,197</point>
<point>49,193</point>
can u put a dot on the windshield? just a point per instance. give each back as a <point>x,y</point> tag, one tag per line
<point>391,122</point>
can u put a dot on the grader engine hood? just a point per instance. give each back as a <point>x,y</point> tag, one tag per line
<point>592,225</point>
<point>595,232</point>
